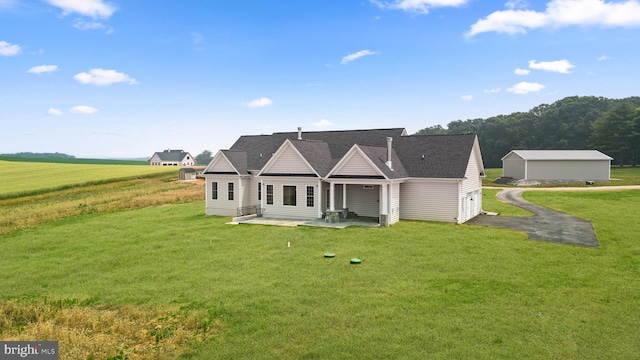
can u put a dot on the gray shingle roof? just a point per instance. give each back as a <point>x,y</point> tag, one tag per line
<point>238,159</point>
<point>421,156</point>
<point>379,157</point>
<point>445,156</point>
<point>172,155</point>
<point>317,153</point>
<point>339,142</point>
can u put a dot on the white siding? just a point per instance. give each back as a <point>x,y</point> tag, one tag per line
<point>394,217</point>
<point>222,165</point>
<point>221,206</point>
<point>361,201</point>
<point>568,170</point>
<point>155,160</point>
<point>244,192</point>
<point>357,165</point>
<point>289,162</point>
<point>301,210</point>
<point>513,167</point>
<point>470,191</point>
<point>431,200</point>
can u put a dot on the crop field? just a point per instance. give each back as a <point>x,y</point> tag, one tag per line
<point>166,282</point>
<point>20,178</point>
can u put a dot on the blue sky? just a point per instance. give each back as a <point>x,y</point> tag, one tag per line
<point>122,79</point>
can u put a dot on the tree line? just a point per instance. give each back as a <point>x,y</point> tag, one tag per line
<point>611,126</point>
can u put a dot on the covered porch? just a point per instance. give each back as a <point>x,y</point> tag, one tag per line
<point>361,197</point>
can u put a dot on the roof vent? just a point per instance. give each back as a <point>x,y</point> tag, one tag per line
<point>299,133</point>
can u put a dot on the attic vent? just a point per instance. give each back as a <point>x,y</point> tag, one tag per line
<point>423,156</point>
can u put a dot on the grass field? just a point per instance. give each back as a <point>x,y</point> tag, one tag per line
<point>22,178</point>
<point>167,281</point>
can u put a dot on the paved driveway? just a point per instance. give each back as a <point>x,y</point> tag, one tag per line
<point>545,225</point>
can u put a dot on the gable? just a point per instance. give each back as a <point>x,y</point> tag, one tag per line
<point>221,165</point>
<point>287,161</point>
<point>355,164</point>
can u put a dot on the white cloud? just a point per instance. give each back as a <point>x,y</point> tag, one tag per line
<point>90,25</point>
<point>561,13</point>
<point>54,112</point>
<point>357,55</point>
<point>83,110</point>
<point>466,97</point>
<point>43,69</point>
<point>7,49</point>
<point>258,103</point>
<point>525,88</point>
<point>418,6</point>
<point>519,71</point>
<point>323,123</point>
<point>8,4</point>
<point>92,8</point>
<point>604,57</point>
<point>516,4</point>
<point>492,91</point>
<point>559,66</point>
<point>102,77</point>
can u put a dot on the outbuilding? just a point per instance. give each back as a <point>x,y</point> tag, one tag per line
<point>187,173</point>
<point>579,165</point>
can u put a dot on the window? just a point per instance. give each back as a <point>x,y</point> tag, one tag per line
<point>214,190</point>
<point>269,194</point>
<point>230,191</point>
<point>288,195</point>
<point>259,191</point>
<point>310,196</point>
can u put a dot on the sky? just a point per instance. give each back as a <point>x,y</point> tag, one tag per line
<point>124,79</point>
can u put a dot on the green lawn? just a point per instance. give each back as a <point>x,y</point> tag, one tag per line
<point>28,177</point>
<point>423,290</point>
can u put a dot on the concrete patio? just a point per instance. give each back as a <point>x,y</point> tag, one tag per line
<point>356,221</point>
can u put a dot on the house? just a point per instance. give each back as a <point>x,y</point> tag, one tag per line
<point>379,173</point>
<point>557,165</point>
<point>172,158</point>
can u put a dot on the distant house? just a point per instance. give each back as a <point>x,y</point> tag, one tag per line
<point>557,165</point>
<point>172,158</point>
<point>379,173</point>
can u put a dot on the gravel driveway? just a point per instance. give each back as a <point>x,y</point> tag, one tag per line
<point>546,225</point>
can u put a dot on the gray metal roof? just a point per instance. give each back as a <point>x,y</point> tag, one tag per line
<point>421,156</point>
<point>560,155</point>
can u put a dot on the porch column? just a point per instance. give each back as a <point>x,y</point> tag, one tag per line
<point>332,188</point>
<point>344,196</point>
<point>384,200</point>
<point>318,195</point>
